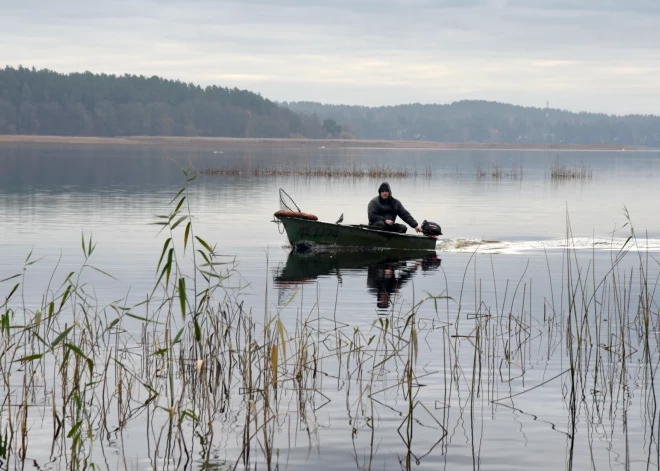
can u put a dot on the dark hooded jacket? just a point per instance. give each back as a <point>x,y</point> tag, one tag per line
<point>381,210</point>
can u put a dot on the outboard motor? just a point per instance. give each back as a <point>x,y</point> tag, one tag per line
<point>431,229</point>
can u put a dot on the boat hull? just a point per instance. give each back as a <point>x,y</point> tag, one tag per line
<point>305,232</point>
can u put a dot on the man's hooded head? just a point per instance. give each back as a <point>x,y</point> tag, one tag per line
<point>384,187</point>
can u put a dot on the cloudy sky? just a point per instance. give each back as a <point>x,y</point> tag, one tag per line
<point>591,55</point>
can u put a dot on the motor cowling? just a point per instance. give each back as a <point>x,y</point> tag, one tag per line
<point>431,229</point>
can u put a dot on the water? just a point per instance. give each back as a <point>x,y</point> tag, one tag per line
<point>503,257</point>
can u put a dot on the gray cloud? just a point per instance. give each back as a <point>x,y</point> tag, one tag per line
<point>598,55</point>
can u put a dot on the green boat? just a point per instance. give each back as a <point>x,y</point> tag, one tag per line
<point>306,232</point>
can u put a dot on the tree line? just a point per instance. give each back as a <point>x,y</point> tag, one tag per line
<point>86,104</point>
<point>487,122</point>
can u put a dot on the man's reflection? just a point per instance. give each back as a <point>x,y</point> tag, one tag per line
<point>387,278</point>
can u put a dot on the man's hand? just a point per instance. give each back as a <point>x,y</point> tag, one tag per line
<point>389,222</point>
<point>418,229</point>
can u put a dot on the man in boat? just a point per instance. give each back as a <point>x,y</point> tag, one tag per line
<point>384,209</point>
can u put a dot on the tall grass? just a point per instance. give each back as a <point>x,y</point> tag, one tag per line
<point>203,380</point>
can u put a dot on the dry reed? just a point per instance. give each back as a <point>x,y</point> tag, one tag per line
<point>376,172</point>
<point>497,172</point>
<point>561,171</point>
<point>192,368</point>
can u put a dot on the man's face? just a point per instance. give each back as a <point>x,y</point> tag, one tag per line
<point>384,194</point>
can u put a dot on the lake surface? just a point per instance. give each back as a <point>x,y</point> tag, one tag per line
<point>540,349</point>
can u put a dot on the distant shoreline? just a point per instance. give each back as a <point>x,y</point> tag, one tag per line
<point>216,142</point>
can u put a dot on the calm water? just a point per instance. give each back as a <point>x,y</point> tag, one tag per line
<point>503,255</point>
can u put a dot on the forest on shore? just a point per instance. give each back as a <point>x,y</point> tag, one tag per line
<point>44,102</point>
<point>488,122</point>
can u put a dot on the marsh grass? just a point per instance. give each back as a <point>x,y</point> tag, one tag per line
<point>560,171</point>
<point>495,171</point>
<point>375,172</point>
<point>192,367</point>
<point>184,360</point>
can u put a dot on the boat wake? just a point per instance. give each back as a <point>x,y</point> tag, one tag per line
<point>552,245</point>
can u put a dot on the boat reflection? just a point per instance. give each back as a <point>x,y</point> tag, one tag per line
<point>387,271</point>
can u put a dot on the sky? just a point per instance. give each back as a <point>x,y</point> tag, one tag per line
<point>580,55</point>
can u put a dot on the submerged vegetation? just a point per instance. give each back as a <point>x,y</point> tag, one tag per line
<point>561,171</point>
<point>375,171</point>
<point>497,172</point>
<point>200,379</point>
